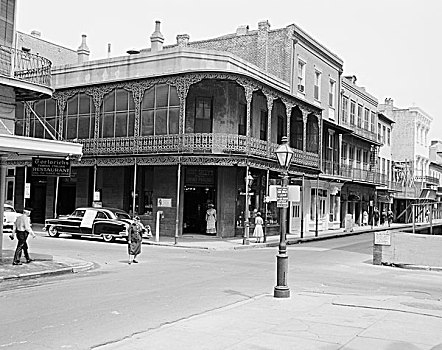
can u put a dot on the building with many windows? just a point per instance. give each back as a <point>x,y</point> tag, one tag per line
<point>410,155</point>
<point>173,128</point>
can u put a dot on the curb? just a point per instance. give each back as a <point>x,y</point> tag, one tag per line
<point>416,267</point>
<point>62,271</point>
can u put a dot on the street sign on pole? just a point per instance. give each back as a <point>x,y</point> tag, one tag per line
<point>282,197</point>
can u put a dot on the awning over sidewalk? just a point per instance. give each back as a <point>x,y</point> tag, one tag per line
<point>29,147</point>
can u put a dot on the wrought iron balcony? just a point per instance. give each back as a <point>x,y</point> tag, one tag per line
<point>358,172</point>
<point>431,180</point>
<point>198,143</point>
<point>360,131</point>
<point>25,66</point>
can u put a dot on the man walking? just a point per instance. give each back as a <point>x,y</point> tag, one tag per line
<point>22,229</point>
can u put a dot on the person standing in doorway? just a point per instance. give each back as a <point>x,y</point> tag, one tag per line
<point>22,229</point>
<point>258,231</point>
<point>211,219</point>
<point>389,217</point>
<point>134,239</point>
<point>376,216</point>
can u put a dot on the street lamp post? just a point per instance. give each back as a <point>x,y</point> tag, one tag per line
<point>248,179</point>
<point>284,154</point>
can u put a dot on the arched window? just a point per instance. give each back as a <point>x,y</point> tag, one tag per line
<point>117,117</point>
<point>79,117</point>
<point>160,111</point>
<point>312,134</point>
<point>47,112</point>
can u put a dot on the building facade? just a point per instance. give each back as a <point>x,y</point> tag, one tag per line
<point>169,130</point>
<point>410,155</point>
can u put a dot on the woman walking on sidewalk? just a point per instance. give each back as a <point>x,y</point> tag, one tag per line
<point>134,239</point>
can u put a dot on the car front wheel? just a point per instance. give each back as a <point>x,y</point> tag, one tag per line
<point>53,231</point>
<point>108,238</point>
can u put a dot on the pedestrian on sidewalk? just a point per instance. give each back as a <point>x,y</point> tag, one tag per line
<point>389,217</point>
<point>364,218</point>
<point>211,219</point>
<point>376,216</point>
<point>258,232</point>
<point>22,229</point>
<point>134,239</point>
<point>384,217</point>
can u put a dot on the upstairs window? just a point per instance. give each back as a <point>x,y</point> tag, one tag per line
<point>317,87</point>
<point>117,117</point>
<point>373,122</point>
<point>331,93</point>
<point>345,110</point>
<point>263,126</point>
<point>360,116</point>
<point>301,76</point>
<point>352,112</point>
<point>388,136</point>
<point>160,111</point>
<point>366,119</point>
<point>47,112</point>
<point>203,115</point>
<point>80,117</point>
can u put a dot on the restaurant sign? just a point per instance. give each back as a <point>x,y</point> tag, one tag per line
<point>51,167</point>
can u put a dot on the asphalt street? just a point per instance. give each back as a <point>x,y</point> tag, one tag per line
<point>117,306</point>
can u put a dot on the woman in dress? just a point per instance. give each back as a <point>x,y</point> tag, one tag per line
<point>211,220</point>
<point>134,239</point>
<point>258,232</point>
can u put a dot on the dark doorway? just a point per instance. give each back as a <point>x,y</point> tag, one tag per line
<point>195,206</point>
<point>66,199</point>
<point>38,201</point>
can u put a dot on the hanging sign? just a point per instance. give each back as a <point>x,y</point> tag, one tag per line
<point>51,167</point>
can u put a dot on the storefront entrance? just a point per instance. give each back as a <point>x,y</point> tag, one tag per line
<point>199,191</point>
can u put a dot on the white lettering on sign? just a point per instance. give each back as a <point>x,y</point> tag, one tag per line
<point>382,238</point>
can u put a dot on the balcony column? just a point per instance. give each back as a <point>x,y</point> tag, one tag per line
<point>339,154</point>
<point>270,100</point>
<point>248,90</point>
<point>97,94</point>
<point>304,131</point>
<point>27,119</point>
<point>288,112</point>
<point>137,95</point>
<point>61,100</point>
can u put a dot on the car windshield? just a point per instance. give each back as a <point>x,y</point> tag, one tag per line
<point>9,209</point>
<point>121,215</point>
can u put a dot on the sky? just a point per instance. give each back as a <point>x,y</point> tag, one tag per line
<point>393,47</point>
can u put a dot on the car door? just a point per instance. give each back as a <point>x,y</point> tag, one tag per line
<point>71,224</point>
<point>87,222</point>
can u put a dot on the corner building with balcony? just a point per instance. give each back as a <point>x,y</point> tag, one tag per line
<point>173,128</point>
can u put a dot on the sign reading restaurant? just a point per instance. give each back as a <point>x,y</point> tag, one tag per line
<point>51,167</point>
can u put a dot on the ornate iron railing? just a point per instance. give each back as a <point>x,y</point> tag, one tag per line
<point>193,143</point>
<point>367,134</point>
<point>25,66</point>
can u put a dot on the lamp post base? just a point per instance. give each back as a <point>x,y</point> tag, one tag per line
<point>281,292</point>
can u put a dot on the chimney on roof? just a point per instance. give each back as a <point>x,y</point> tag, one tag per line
<point>156,39</point>
<point>263,44</point>
<point>182,40</point>
<point>389,101</point>
<point>83,50</point>
<point>242,30</point>
<point>36,33</point>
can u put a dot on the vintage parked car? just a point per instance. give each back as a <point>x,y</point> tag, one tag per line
<point>9,217</point>
<point>109,223</point>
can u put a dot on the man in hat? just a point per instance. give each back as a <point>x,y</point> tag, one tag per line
<point>22,229</point>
